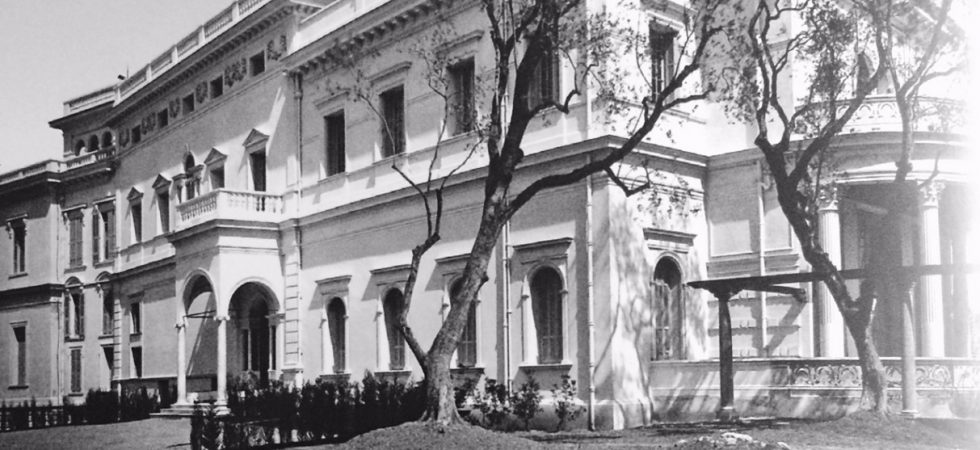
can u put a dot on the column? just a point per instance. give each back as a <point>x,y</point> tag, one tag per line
<point>909,395</point>
<point>726,379</point>
<point>222,360</point>
<point>529,341</point>
<point>276,338</point>
<point>326,347</point>
<point>931,304</point>
<point>831,323</point>
<point>181,361</point>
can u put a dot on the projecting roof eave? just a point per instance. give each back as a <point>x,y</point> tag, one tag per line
<point>60,122</point>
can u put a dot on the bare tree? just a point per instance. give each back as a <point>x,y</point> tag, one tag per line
<point>849,52</point>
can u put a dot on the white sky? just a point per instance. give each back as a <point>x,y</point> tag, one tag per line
<point>53,50</point>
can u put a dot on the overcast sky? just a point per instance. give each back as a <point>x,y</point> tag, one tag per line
<point>54,50</point>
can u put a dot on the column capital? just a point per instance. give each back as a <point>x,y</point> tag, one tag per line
<point>276,318</point>
<point>221,317</point>
<point>828,197</point>
<point>181,323</point>
<point>930,193</point>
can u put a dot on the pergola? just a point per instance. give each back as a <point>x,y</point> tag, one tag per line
<point>725,288</point>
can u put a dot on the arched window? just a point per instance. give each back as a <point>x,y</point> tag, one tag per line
<point>79,147</point>
<point>667,292</point>
<point>466,350</point>
<point>191,182</point>
<point>107,139</point>
<point>393,303</point>
<point>74,310</point>
<point>93,143</point>
<point>546,303</point>
<point>336,321</point>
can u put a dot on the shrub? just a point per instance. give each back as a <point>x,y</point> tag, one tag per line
<point>526,401</point>
<point>493,404</point>
<point>210,429</point>
<point>101,406</point>
<point>566,401</point>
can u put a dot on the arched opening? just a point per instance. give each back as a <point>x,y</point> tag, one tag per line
<point>251,341</point>
<point>79,147</point>
<point>93,143</point>
<point>107,139</point>
<point>393,304</point>
<point>667,310</point>
<point>337,322</point>
<point>546,305</point>
<point>466,350</point>
<point>202,333</point>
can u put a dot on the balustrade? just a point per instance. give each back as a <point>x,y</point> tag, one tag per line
<point>229,204</point>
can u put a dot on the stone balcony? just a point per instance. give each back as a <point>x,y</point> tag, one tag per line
<point>226,204</point>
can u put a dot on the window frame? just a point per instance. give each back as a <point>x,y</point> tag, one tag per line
<point>545,82</point>
<point>396,341</point>
<point>662,43</point>
<point>335,149</point>
<point>74,311</point>
<point>76,238</point>
<point>20,355</point>
<point>163,118</point>
<point>393,139</point>
<point>135,317</point>
<point>216,87</point>
<point>17,228</point>
<point>257,64</point>
<point>462,79</point>
<point>337,327</point>
<point>75,369</point>
<point>532,258</point>
<point>467,350</point>
<point>103,232</point>
<point>548,312</point>
<point>187,105</point>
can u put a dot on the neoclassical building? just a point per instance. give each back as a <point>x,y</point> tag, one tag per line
<point>231,209</point>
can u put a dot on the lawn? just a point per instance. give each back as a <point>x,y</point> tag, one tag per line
<point>860,431</point>
<point>156,433</point>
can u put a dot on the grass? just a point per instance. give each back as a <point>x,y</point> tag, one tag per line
<point>856,431</point>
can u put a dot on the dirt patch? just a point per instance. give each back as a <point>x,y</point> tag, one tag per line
<point>416,435</point>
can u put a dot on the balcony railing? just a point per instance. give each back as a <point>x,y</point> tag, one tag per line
<point>88,158</point>
<point>880,113</point>
<point>33,169</point>
<point>231,205</point>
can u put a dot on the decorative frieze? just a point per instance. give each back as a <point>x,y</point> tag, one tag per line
<point>235,72</point>
<point>274,50</point>
<point>201,92</point>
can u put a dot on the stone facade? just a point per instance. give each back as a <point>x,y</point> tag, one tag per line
<point>198,228</point>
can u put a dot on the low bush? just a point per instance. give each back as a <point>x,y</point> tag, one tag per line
<point>526,401</point>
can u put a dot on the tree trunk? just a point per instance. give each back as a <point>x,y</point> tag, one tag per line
<point>874,396</point>
<point>440,401</point>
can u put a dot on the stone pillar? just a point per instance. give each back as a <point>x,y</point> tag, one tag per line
<point>326,346</point>
<point>181,361</point>
<point>931,304</point>
<point>831,323</point>
<point>909,395</point>
<point>530,338</point>
<point>222,360</point>
<point>277,339</point>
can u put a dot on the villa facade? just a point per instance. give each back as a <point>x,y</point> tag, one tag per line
<point>230,209</point>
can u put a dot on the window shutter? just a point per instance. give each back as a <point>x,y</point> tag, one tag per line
<point>81,315</point>
<point>95,235</point>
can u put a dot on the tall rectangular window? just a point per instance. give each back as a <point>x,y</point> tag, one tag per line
<point>20,336</point>
<point>163,208</point>
<point>19,231</point>
<point>337,322</point>
<point>103,233</point>
<point>462,78</point>
<point>336,143</point>
<point>76,370</point>
<point>544,81</point>
<point>74,310</point>
<point>394,303</point>
<point>137,362</point>
<point>662,54</point>
<point>136,212</point>
<point>136,318</point>
<point>75,239</point>
<point>393,121</point>
<point>96,236</point>
<point>257,161</point>
<point>108,233</point>
<point>107,313</point>
<point>163,119</point>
